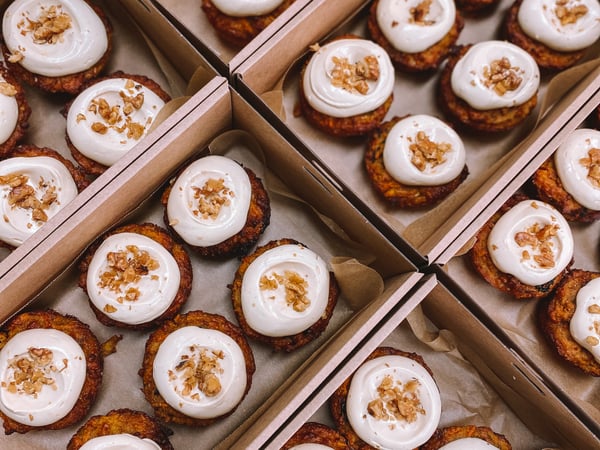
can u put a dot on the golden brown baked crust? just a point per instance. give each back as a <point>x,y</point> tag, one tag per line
<point>239,31</point>
<point>337,402</point>
<point>82,334</point>
<point>316,433</point>
<point>482,261</point>
<point>70,84</point>
<point>161,236</point>
<point>544,56</point>
<point>476,7</point>
<point>460,112</point>
<point>282,343</point>
<point>23,115</point>
<point>555,316</point>
<point>396,193</point>
<point>259,217</point>
<point>550,189</point>
<point>90,166</point>
<point>119,421</point>
<point>193,318</point>
<point>443,436</point>
<point>429,59</point>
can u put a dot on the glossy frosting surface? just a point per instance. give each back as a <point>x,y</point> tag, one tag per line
<point>585,323</point>
<point>119,442</point>
<point>241,8</point>
<point>468,444</point>
<point>9,110</point>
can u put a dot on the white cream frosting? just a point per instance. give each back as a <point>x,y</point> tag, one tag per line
<point>107,146</point>
<point>397,23</point>
<point>392,434</point>
<point>520,261</point>
<point>157,289</point>
<point>78,48</point>
<point>9,114</point>
<point>468,78</point>
<point>188,342</point>
<point>43,173</point>
<point>585,323</point>
<point>120,441</point>
<point>548,29</point>
<point>182,206</point>
<point>67,370</point>
<point>266,310</point>
<point>468,444</point>
<point>242,8</point>
<point>310,446</point>
<point>573,163</point>
<point>397,153</point>
<point>335,101</point>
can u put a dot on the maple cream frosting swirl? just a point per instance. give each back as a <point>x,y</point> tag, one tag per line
<point>468,443</point>
<point>532,241</point>
<point>50,183</point>
<point>472,81</point>
<point>567,27</point>
<point>242,8</point>
<point>584,323</point>
<point>9,111</point>
<point>54,355</point>
<point>323,90</point>
<point>120,441</point>
<point>398,23</point>
<point>576,161</point>
<point>81,42</point>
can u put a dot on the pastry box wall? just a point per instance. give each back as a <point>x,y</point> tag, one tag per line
<point>270,78</point>
<point>482,381</point>
<point>373,274</point>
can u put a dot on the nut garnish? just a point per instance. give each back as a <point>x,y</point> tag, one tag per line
<point>501,76</point>
<point>7,89</point>
<point>396,401</point>
<point>31,372</point>
<point>212,196</point>
<point>540,240</point>
<point>354,77</point>
<point>419,13</point>
<point>569,15</point>
<point>199,371</point>
<point>594,309</point>
<point>296,288</point>
<point>427,152</point>
<point>592,164</point>
<point>49,27</point>
<point>23,195</point>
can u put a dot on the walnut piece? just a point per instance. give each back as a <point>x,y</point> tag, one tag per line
<point>569,15</point>
<point>212,197</point>
<point>200,370</point>
<point>396,401</point>
<point>501,76</point>
<point>419,13</point>
<point>23,195</point>
<point>354,77</point>
<point>296,288</point>
<point>49,27</point>
<point>592,164</point>
<point>594,309</point>
<point>427,152</point>
<point>31,372</point>
<point>540,240</point>
<point>7,89</point>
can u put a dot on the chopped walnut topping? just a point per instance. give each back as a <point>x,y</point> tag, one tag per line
<point>354,77</point>
<point>7,89</point>
<point>211,197</point>
<point>49,27</point>
<point>23,195</point>
<point>540,240</point>
<point>592,340</point>
<point>396,401</point>
<point>31,372</point>
<point>419,13</point>
<point>15,57</point>
<point>501,76</point>
<point>296,288</point>
<point>200,371</point>
<point>592,164</point>
<point>426,152</point>
<point>569,15</point>
<point>594,309</point>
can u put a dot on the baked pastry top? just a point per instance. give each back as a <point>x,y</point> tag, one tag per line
<point>316,436</point>
<point>466,437</point>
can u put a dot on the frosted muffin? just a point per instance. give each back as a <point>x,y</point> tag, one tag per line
<point>467,436</point>
<point>283,294</point>
<point>346,87</point>
<point>197,369</point>
<point>35,184</point>
<point>218,207</point>
<point>14,112</point>
<point>561,34</point>
<point>415,160</point>
<point>525,249</point>
<point>136,276</point>
<point>490,86</point>
<point>109,117</point>
<point>418,34</point>
<point>56,45</point>
<point>237,22</point>
<point>316,436</point>
<point>65,358</point>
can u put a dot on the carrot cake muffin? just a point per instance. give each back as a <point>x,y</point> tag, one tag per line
<point>136,276</point>
<point>35,184</point>
<point>283,294</point>
<point>217,207</point>
<point>120,429</point>
<point>570,180</point>
<point>476,7</point>
<point>489,86</point>
<point>415,160</point>
<point>237,22</point>
<point>56,45</point>
<point>524,249</point>
<point>50,371</point>
<point>468,436</point>
<point>561,33</point>
<point>316,436</point>
<point>346,87</point>
<point>197,369</point>
<point>391,401</point>
<point>15,112</point>
<point>417,34</point>
<point>109,117</point>
<point>570,320</point>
